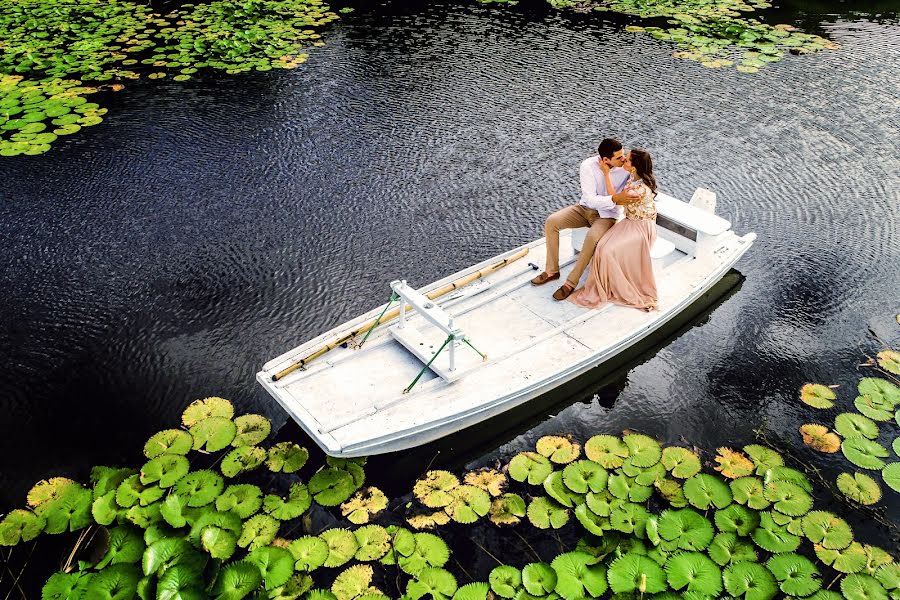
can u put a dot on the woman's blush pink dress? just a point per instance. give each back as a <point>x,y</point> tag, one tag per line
<point>621,270</point>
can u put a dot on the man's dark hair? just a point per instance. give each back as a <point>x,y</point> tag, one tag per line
<point>608,147</point>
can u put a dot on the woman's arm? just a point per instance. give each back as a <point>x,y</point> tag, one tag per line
<point>626,196</point>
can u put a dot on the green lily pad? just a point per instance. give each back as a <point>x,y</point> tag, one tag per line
<point>627,488</point>
<point>703,491</point>
<point>694,573</point>
<point>862,587</point>
<point>200,487</point>
<point>164,470</point>
<point>131,491</point>
<point>539,579</point>
<point>859,487</point>
<point>251,430</point>
<point>764,458</point>
<point>737,519</point>
<point>170,441</point>
<point>342,545</point>
<point>286,457</point>
<point>727,548</point>
<point>585,475</point>
<point>643,451</point>
<point>205,408</point>
<point>283,509</point>
<point>114,582</point>
<point>751,580</point>
<point>850,425</point>
<point>243,500</point>
<point>558,490</point>
<point>685,528</point>
<point>236,580</point>
<point>309,552</point>
<point>20,525</point>
<point>827,529</point>
<point>864,453</point>
<point>796,574</point>
<point>429,551</point>
<point>606,450</point>
<point>772,537</point>
<point>889,360</point>
<point>578,576</point>
<point>788,474</point>
<point>851,559</point>
<point>891,476</point>
<point>275,564</point>
<point>213,433</point>
<point>633,573</point>
<point>681,462</point>
<point>788,498</point>
<point>258,531</point>
<point>531,467</point>
<point>546,513</point>
<point>629,517</point>
<point>242,459</point>
<point>469,504</point>
<point>505,581</point>
<point>374,542</point>
<point>330,486</point>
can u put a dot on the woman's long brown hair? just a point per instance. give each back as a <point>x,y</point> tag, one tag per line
<point>643,165</point>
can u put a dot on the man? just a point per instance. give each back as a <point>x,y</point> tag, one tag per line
<point>597,209</point>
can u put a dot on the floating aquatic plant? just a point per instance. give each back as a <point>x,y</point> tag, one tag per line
<point>733,464</point>
<point>558,449</point>
<point>817,395</point>
<point>364,505</point>
<point>859,487</point>
<point>819,438</point>
<point>889,360</point>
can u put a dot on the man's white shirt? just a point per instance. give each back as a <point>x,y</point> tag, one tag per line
<point>593,187</point>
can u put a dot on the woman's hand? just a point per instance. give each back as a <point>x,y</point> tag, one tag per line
<point>604,167</point>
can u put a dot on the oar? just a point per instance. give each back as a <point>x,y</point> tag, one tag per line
<point>453,285</point>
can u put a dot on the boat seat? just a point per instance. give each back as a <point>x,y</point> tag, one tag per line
<point>661,247</point>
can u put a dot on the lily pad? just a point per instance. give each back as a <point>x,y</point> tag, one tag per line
<point>342,546</point>
<point>764,458</point>
<point>373,540</point>
<point>817,395</point>
<point>859,487</point>
<point>737,519</point>
<point>608,451</point>
<point>788,498</point>
<point>433,490</point>
<point>251,430</point>
<point>862,587</point>
<point>694,573</point>
<point>242,459</point>
<point>505,581</point>
<point>751,580</point>
<point>819,438</point>
<point>546,513</point>
<point>851,559</point>
<point>200,487</point>
<point>531,467</point>
<point>243,500</point>
<point>237,580</point>
<point>490,480</point>
<point>796,574</point>
<point>354,581</point>
<point>213,433</point>
<point>286,457</point>
<point>364,505</point>
<point>309,552</point>
<point>558,449</point>
<point>686,529</point>
<point>633,573</point>
<point>703,491</point>
<point>585,475</point>
<point>539,579</point>
<point>855,425</point>
<point>773,537</point>
<point>508,509</point>
<point>733,464</point>
<point>728,548</point>
<point>643,451</point>
<point>205,408</point>
<point>469,504</point>
<point>578,576</point>
<point>20,525</point>
<point>292,507</point>
<point>47,490</point>
<point>681,462</point>
<point>170,441</point>
<point>828,530</point>
<point>891,476</point>
<point>864,453</point>
<point>889,360</point>
<point>165,470</point>
<point>331,487</point>
<point>430,551</point>
<point>275,564</point>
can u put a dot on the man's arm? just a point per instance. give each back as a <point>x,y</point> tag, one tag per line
<point>589,196</point>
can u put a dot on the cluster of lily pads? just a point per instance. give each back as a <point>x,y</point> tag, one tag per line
<point>856,434</point>
<point>60,44</point>
<point>633,519</point>
<point>712,32</point>
<point>738,533</point>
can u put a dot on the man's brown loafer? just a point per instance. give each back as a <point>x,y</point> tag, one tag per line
<point>544,278</point>
<point>564,292</point>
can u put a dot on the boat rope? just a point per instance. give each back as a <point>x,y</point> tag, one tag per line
<point>428,364</point>
<point>394,297</point>
<point>468,343</point>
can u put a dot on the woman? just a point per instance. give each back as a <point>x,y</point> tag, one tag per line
<point>621,270</point>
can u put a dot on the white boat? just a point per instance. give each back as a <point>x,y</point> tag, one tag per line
<point>484,340</point>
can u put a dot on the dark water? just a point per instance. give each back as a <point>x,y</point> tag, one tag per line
<point>206,227</point>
